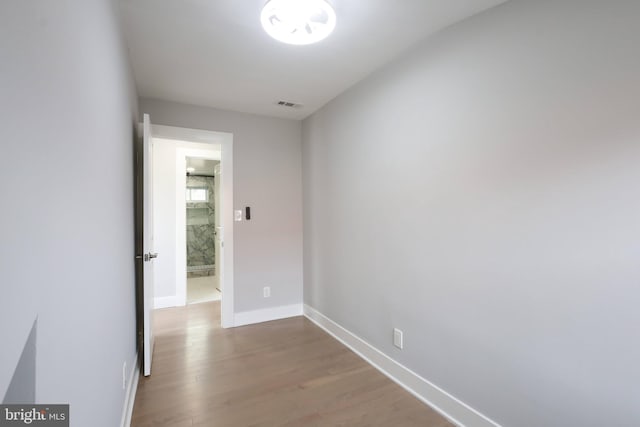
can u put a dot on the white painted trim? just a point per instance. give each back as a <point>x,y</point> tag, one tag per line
<point>130,396</point>
<point>181,228</point>
<point>165,302</point>
<point>226,271</point>
<point>450,407</point>
<point>267,314</point>
<point>189,135</point>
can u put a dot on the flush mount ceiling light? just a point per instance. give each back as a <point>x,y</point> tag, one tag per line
<point>298,21</point>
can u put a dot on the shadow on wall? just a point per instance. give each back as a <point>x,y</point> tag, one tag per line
<point>22,388</point>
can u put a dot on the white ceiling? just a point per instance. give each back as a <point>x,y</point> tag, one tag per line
<point>215,53</point>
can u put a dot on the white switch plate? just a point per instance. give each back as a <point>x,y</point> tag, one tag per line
<point>237,215</point>
<point>266,291</point>
<point>398,339</point>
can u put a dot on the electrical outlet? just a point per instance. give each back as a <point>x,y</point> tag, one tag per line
<point>398,339</point>
<point>237,215</point>
<point>266,291</point>
<point>124,375</point>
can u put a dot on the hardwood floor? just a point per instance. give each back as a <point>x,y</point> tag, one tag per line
<point>281,373</point>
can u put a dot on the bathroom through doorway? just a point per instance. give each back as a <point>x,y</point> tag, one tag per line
<point>202,199</point>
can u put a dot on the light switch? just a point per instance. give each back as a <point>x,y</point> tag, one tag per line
<point>237,215</point>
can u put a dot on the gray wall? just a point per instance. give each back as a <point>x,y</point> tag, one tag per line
<point>66,182</point>
<point>481,193</point>
<point>267,177</point>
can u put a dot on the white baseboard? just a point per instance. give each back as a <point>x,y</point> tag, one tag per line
<point>267,314</point>
<point>130,397</point>
<point>453,409</point>
<point>165,302</point>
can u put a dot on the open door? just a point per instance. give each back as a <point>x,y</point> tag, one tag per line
<point>144,246</point>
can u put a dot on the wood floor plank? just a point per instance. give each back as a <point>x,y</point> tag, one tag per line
<point>282,373</point>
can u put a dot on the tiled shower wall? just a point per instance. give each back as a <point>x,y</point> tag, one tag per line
<point>200,230</point>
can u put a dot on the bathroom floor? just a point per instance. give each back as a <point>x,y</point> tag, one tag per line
<point>202,289</point>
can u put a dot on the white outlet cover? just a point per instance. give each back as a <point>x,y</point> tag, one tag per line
<point>398,339</point>
<point>237,215</point>
<point>266,292</point>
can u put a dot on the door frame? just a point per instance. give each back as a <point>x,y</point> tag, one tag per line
<point>225,141</point>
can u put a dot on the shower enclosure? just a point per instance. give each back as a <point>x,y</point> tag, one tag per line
<point>200,226</point>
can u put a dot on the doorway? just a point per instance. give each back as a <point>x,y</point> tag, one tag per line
<point>194,210</point>
<point>202,201</point>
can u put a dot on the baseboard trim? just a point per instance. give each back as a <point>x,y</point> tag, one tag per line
<point>265,315</point>
<point>130,397</point>
<point>165,302</point>
<point>453,409</point>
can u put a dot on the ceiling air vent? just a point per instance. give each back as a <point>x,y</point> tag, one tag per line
<point>288,104</point>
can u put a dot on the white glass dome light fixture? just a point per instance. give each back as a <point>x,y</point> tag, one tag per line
<point>298,22</point>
